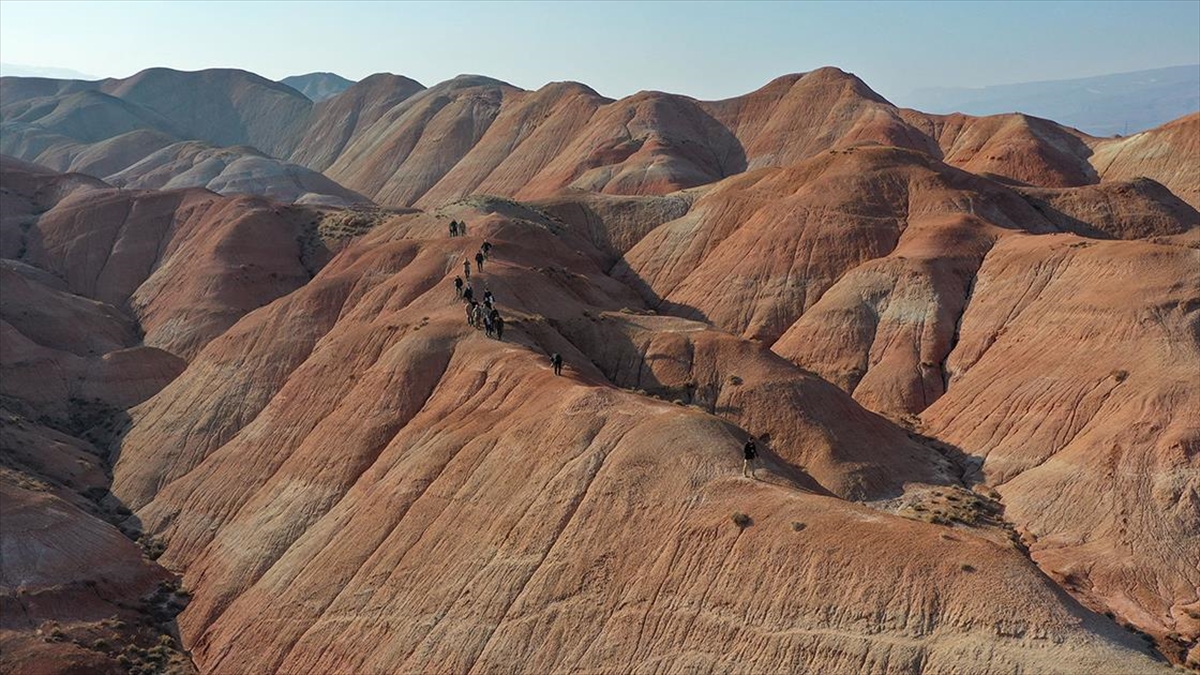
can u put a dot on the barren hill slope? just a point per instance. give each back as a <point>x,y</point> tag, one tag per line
<point>231,171</point>
<point>501,140</point>
<point>540,568</point>
<point>219,106</point>
<point>185,263</point>
<point>90,275</point>
<point>400,144</point>
<point>338,119</point>
<point>967,347</point>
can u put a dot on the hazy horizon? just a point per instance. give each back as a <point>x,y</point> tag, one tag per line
<point>705,50</point>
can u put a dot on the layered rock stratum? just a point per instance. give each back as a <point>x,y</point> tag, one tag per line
<point>968,346</point>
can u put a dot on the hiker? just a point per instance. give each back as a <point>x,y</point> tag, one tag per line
<point>749,454</point>
<point>556,361</point>
<point>487,325</point>
<point>488,299</point>
<point>471,313</point>
<point>477,316</point>
<point>454,228</point>
<point>486,248</point>
<point>469,294</point>
<point>498,326</point>
<point>479,261</point>
<point>458,287</point>
<point>462,228</point>
<point>467,269</point>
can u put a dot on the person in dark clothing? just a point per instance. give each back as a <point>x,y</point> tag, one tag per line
<point>488,299</point>
<point>495,314</point>
<point>467,269</point>
<point>469,294</point>
<point>458,287</point>
<point>488,327</point>
<point>462,228</point>
<point>486,248</point>
<point>749,457</point>
<point>556,361</point>
<point>471,313</point>
<point>498,326</point>
<point>479,261</point>
<point>454,228</point>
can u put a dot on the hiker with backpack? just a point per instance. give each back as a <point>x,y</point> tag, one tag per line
<point>471,313</point>
<point>749,458</point>
<point>469,294</point>
<point>488,325</point>
<point>557,362</point>
<point>458,287</point>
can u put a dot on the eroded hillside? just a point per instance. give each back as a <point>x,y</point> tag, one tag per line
<point>967,347</point>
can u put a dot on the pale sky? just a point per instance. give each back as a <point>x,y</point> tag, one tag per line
<point>708,50</point>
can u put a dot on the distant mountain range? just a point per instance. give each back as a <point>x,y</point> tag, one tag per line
<point>22,70</point>
<point>318,86</point>
<point>391,140</point>
<point>1105,105</point>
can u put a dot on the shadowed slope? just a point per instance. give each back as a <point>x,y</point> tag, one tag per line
<point>1093,446</point>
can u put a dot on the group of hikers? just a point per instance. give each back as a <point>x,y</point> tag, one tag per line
<point>481,255</point>
<point>480,314</point>
<point>485,315</point>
